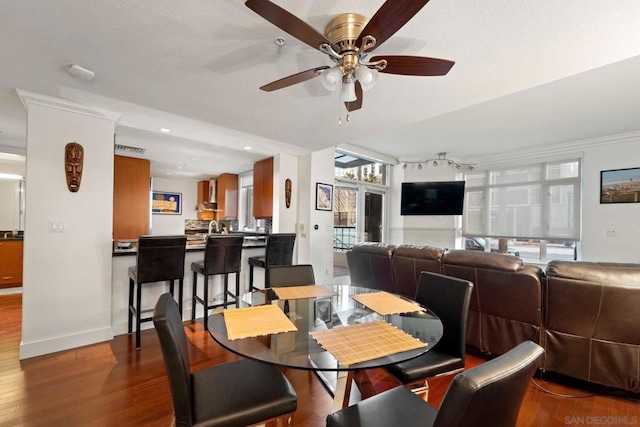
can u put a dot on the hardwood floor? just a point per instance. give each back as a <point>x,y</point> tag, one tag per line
<point>112,384</point>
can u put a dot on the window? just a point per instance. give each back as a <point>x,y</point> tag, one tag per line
<point>538,205</point>
<point>359,200</point>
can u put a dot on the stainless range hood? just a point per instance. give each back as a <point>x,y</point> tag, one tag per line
<point>213,192</point>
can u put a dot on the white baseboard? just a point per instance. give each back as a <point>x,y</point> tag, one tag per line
<point>38,348</point>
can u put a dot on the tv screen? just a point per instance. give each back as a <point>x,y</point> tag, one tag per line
<point>432,198</point>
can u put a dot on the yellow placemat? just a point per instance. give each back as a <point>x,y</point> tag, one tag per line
<point>384,303</point>
<point>256,321</point>
<point>365,341</point>
<point>299,292</point>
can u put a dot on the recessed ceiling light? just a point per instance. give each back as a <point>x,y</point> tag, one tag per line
<point>247,148</point>
<point>165,130</point>
<point>194,159</point>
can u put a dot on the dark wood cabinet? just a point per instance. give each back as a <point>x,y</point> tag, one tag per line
<point>263,189</point>
<point>11,263</point>
<point>131,210</point>
<point>227,196</point>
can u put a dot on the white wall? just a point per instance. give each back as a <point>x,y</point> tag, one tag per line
<point>9,204</point>
<point>598,218</point>
<point>320,239</point>
<point>67,275</point>
<point>439,231</point>
<point>284,219</point>
<point>174,224</point>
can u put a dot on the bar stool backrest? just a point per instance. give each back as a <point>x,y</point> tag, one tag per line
<point>280,249</point>
<point>290,275</point>
<point>222,254</point>
<point>160,258</point>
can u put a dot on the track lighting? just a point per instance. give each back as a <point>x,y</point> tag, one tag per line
<point>442,158</point>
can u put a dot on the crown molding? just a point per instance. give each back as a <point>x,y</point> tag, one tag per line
<point>30,98</point>
<point>557,150</point>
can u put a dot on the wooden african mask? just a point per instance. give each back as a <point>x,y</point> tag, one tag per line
<point>287,193</point>
<point>73,160</point>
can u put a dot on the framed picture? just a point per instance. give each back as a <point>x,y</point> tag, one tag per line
<point>324,197</point>
<point>620,186</point>
<point>166,203</point>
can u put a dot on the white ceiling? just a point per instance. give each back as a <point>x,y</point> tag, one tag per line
<point>527,74</point>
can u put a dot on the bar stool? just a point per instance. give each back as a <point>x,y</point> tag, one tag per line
<point>159,258</point>
<point>279,252</point>
<point>222,255</point>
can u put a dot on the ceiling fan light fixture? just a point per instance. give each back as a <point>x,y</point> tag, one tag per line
<point>331,78</point>
<point>366,76</point>
<point>348,93</point>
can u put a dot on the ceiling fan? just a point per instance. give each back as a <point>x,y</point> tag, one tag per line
<point>348,40</point>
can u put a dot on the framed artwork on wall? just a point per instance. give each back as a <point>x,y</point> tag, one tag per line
<point>166,203</point>
<point>620,186</point>
<point>324,197</point>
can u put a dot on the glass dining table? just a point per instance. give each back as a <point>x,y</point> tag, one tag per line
<point>300,350</point>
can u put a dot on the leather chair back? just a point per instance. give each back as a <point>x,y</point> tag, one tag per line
<point>592,322</point>
<point>160,258</point>
<point>290,275</point>
<point>409,261</point>
<point>449,299</point>
<point>173,342</point>
<point>506,301</point>
<point>223,254</point>
<point>491,393</point>
<point>371,266</point>
<point>280,249</point>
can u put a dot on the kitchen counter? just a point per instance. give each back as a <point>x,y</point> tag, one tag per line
<point>251,241</point>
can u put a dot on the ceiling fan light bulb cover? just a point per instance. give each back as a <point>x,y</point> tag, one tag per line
<point>366,76</point>
<point>331,78</point>
<point>348,93</point>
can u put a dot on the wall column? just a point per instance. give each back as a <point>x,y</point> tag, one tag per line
<point>66,299</point>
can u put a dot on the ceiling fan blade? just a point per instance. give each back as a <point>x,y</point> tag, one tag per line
<point>357,104</point>
<point>300,77</point>
<point>288,22</point>
<point>391,16</point>
<point>414,65</point>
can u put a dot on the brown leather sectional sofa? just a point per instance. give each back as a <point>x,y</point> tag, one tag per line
<point>585,315</point>
<point>592,322</point>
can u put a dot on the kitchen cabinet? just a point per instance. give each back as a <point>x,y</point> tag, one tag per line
<point>131,194</point>
<point>10,263</point>
<point>203,192</point>
<point>263,189</point>
<point>227,196</point>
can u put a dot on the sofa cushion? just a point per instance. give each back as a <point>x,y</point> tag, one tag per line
<point>370,266</point>
<point>409,261</point>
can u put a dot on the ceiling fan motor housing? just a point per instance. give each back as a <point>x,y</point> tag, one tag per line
<point>344,29</point>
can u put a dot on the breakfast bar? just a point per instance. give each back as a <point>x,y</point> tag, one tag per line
<point>123,258</point>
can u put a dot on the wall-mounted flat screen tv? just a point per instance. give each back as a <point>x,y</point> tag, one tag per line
<point>432,198</point>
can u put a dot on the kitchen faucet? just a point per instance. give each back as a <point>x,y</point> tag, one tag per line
<point>211,224</point>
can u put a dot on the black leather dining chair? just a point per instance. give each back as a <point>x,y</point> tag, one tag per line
<point>489,394</point>
<point>448,297</point>
<point>239,393</point>
<point>279,252</point>
<point>222,255</point>
<point>290,275</point>
<point>159,258</point>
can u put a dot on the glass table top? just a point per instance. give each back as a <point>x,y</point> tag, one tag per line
<point>300,350</point>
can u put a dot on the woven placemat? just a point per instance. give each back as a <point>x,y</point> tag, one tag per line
<point>384,303</point>
<point>365,341</point>
<point>299,292</point>
<point>256,321</point>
